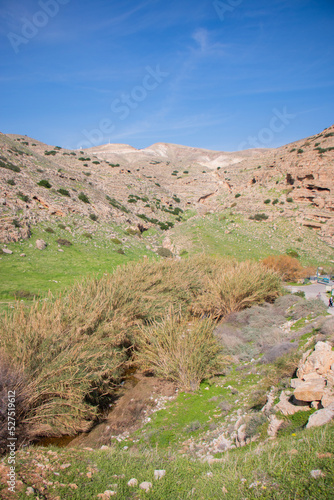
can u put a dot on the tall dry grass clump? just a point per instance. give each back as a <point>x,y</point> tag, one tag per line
<point>234,286</point>
<point>289,268</point>
<point>14,396</point>
<point>182,350</point>
<point>63,363</point>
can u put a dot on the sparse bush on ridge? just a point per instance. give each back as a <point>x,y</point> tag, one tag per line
<point>64,192</point>
<point>83,197</point>
<point>44,183</point>
<point>9,166</point>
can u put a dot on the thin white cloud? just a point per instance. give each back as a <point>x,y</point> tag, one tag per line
<point>205,46</point>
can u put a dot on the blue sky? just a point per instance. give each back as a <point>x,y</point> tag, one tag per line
<point>222,75</point>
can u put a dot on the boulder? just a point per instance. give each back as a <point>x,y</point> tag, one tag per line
<point>7,251</point>
<point>318,361</point>
<point>40,244</point>
<point>296,382</point>
<point>286,407</point>
<point>146,486</point>
<point>327,397</point>
<point>159,473</point>
<point>321,417</point>
<point>312,390</point>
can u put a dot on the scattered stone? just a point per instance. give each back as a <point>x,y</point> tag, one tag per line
<point>316,473</point>
<point>324,455</point>
<point>73,486</point>
<point>286,407</point>
<point>22,255</point>
<point>274,425</point>
<point>321,417</point>
<point>60,250</point>
<point>159,473</point>
<point>6,250</point>
<point>224,490</point>
<point>107,494</point>
<point>29,491</point>
<point>41,245</point>
<point>145,486</point>
<point>65,466</point>
<point>133,482</point>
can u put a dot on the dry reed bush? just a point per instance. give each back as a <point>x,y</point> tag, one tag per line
<point>63,363</point>
<point>180,350</point>
<point>289,268</point>
<point>12,379</point>
<point>235,286</point>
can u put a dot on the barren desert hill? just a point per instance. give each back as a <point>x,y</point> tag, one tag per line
<point>159,184</point>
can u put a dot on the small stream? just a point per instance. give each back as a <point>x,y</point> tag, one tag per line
<point>130,380</point>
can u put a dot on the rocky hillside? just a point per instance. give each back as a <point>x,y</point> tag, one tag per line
<point>159,185</point>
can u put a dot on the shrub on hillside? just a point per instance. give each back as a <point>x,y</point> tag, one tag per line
<point>164,252</point>
<point>93,217</point>
<point>64,242</point>
<point>44,183</point>
<point>64,192</point>
<point>178,350</point>
<point>9,166</point>
<point>259,217</point>
<point>289,268</point>
<point>23,197</point>
<point>83,197</point>
<point>292,253</point>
